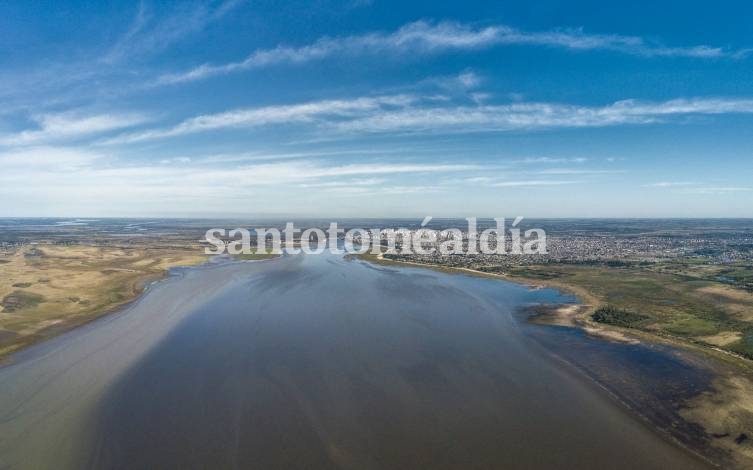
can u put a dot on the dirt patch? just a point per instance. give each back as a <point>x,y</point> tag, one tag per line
<point>610,335</point>
<point>728,293</point>
<point>723,338</point>
<point>726,415</point>
<point>736,301</point>
<point>560,315</point>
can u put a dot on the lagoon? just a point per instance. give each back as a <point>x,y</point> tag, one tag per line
<point>317,361</point>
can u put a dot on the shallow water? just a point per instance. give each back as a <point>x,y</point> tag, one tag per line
<point>316,362</point>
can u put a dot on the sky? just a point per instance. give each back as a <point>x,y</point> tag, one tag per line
<point>371,108</point>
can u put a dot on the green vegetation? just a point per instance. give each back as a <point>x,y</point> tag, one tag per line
<point>743,346</point>
<point>739,276</point>
<point>613,316</point>
<point>47,290</point>
<point>684,299</point>
<point>693,326</point>
<point>19,299</point>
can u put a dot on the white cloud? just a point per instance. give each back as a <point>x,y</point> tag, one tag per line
<point>55,127</point>
<point>412,114</point>
<point>283,114</point>
<point>424,37</point>
<point>462,83</point>
<point>345,183</point>
<point>533,116</point>
<point>469,79</point>
<point>75,180</point>
<point>309,171</point>
<point>383,190</point>
<point>689,187</point>
<point>671,184</point>
<point>147,35</point>
<point>718,190</point>
<point>75,164</point>
<point>576,171</point>
<point>524,183</point>
<point>532,160</point>
<point>478,179</point>
<point>28,161</point>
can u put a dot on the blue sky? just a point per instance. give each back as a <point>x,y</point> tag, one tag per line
<point>376,109</point>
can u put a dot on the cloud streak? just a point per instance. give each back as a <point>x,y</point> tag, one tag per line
<point>411,114</point>
<point>531,183</point>
<point>688,187</point>
<point>270,115</point>
<point>424,37</point>
<point>671,184</point>
<point>77,176</point>
<point>68,126</point>
<point>147,35</point>
<point>536,116</point>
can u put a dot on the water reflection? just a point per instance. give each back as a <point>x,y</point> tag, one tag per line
<point>319,362</point>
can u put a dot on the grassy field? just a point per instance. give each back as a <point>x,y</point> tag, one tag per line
<point>665,299</point>
<point>45,289</point>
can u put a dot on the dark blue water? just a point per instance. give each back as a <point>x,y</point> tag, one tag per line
<point>320,362</point>
<point>325,363</point>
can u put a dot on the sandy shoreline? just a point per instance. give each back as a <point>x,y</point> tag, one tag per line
<point>65,325</point>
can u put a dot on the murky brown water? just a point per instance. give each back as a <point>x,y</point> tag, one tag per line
<point>315,362</point>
